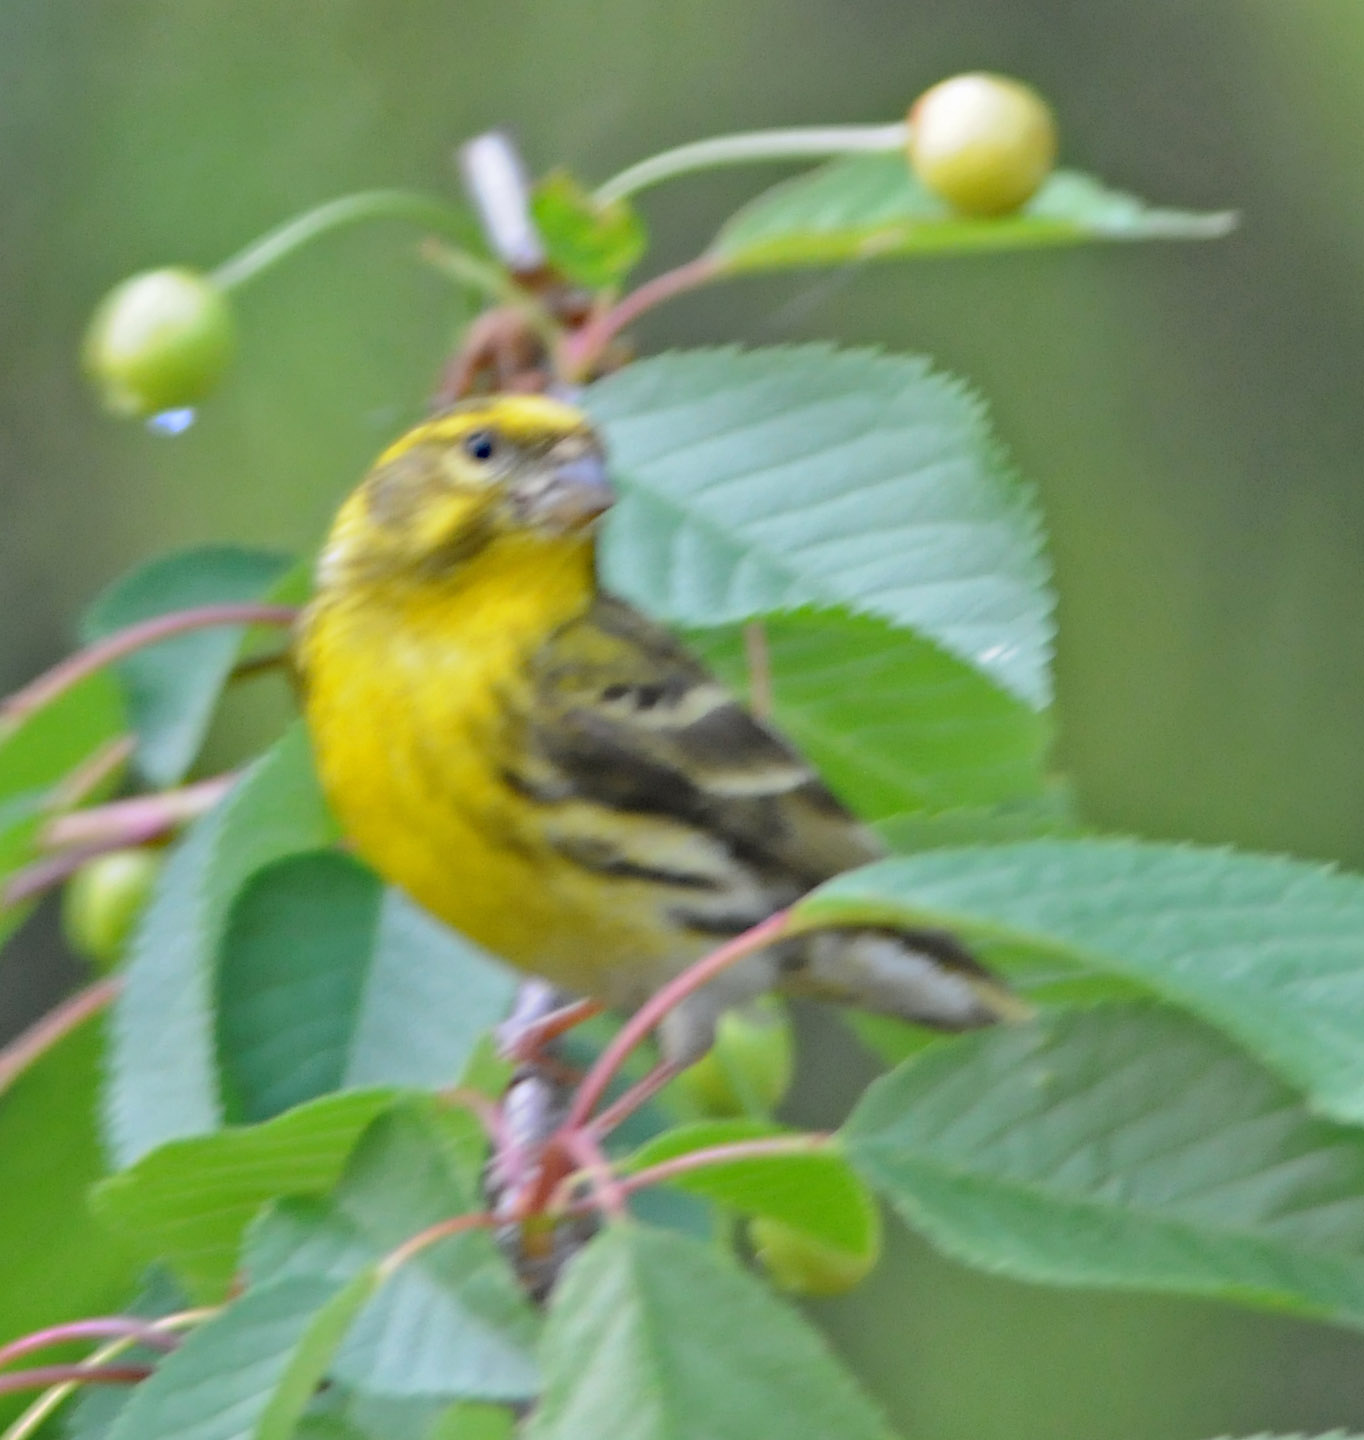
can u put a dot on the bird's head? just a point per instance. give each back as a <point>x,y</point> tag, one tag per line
<point>519,474</point>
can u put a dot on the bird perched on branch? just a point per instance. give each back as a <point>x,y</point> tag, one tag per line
<point>552,773</point>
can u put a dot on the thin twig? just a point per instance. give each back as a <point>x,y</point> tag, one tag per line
<point>122,818</point>
<point>635,1098</point>
<point>28,1424</point>
<point>441,1230</point>
<point>638,1026</point>
<point>92,772</point>
<point>41,1376</point>
<point>101,1328</point>
<point>40,1037</point>
<point>768,1148</point>
<point>46,874</point>
<point>582,350</point>
<point>596,1171</point>
<point>77,667</point>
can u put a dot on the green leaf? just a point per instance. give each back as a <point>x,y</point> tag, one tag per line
<point>59,1264</point>
<point>1269,950</point>
<point>763,480</point>
<point>1125,1146</point>
<point>451,1322</point>
<point>590,243</point>
<point>474,1422</point>
<point>163,1081</point>
<point>870,207</point>
<point>328,980</point>
<point>655,1336</point>
<point>21,823</point>
<point>190,1201</point>
<point>1049,815</point>
<point>250,1370</point>
<point>889,720</point>
<point>46,745</point>
<point>172,688</point>
<point>817,1192</point>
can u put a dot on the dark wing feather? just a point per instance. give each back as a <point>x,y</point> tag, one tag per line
<point>627,718</point>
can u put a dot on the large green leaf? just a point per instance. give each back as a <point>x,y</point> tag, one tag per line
<point>655,1336</point>
<point>57,1261</point>
<point>247,1373</point>
<point>163,1080</point>
<point>763,480</point>
<point>189,1201</point>
<point>450,1323</point>
<point>815,1191</point>
<point>889,720</point>
<point>1122,1146</point>
<point>172,687</point>
<point>1269,950</point>
<point>328,980</point>
<point>869,207</point>
<point>1047,815</point>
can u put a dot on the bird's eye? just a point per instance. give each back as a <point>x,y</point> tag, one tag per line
<point>480,445</point>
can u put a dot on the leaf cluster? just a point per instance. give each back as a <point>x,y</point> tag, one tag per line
<point>297,1056</point>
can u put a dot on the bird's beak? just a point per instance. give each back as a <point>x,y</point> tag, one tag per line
<point>573,493</point>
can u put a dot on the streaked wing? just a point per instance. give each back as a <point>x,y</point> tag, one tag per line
<point>627,719</point>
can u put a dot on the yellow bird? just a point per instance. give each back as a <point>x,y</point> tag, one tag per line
<point>552,773</point>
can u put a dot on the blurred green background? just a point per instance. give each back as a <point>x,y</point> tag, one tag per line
<point>1189,413</point>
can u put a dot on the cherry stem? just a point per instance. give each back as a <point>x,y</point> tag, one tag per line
<point>635,1098</point>
<point>40,1037</point>
<point>638,1026</point>
<point>41,1376</point>
<point>596,1170</point>
<point>767,1148</point>
<point>28,1424</point>
<point>801,142</point>
<point>102,765</point>
<point>441,1230</point>
<point>425,211</point>
<point>124,822</point>
<point>61,678</point>
<point>102,1328</point>
<point>584,348</point>
<point>43,875</point>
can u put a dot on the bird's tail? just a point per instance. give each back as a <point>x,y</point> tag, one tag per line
<point>924,976</point>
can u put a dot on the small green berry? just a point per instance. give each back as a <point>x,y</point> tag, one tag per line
<point>748,1069</point>
<point>803,1265</point>
<point>159,341</point>
<point>103,900</point>
<point>984,143</point>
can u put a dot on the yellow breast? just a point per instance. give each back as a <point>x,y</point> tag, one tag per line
<point>417,702</point>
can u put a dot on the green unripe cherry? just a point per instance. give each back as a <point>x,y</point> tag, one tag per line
<point>799,1263</point>
<point>102,901</point>
<point>159,341</point>
<point>984,143</point>
<point>748,1069</point>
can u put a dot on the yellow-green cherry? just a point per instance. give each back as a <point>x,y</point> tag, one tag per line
<point>983,143</point>
<point>159,341</point>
